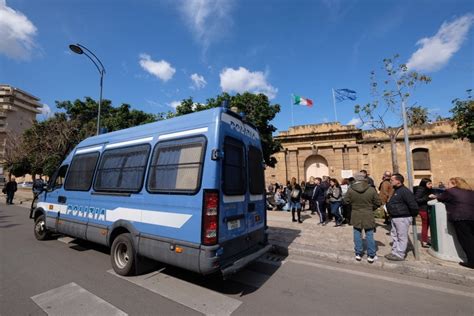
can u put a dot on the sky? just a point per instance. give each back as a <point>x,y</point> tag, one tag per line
<point>159,52</point>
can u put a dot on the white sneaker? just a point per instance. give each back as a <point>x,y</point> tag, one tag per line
<point>358,257</point>
<point>371,259</point>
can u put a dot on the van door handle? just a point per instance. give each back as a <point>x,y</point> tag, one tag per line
<point>62,199</point>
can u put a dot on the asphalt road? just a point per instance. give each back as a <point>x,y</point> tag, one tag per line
<point>59,278</point>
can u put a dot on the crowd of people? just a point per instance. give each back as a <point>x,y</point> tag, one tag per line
<point>355,200</point>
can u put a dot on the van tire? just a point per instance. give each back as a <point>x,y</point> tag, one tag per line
<point>41,233</point>
<point>123,255</point>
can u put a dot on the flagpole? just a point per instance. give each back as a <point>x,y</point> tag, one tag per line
<point>292,118</point>
<point>334,103</point>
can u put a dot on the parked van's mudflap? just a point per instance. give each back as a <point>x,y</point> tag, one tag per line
<point>239,264</point>
<point>227,258</point>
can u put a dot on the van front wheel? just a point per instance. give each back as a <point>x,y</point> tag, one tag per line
<point>41,233</point>
<point>123,255</point>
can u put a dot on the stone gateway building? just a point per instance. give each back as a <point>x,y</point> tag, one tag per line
<point>341,150</point>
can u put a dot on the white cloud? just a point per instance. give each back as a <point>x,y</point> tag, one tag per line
<point>16,33</point>
<point>174,104</point>
<point>355,121</point>
<point>160,69</point>
<point>241,80</point>
<point>46,112</point>
<point>436,51</point>
<point>198,81</point>
<point>207,19</point>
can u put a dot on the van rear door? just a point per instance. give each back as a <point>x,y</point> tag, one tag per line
<point>233,223</point>
<point>256,210</point>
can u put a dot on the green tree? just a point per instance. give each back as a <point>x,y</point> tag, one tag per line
<point>463,116</point>
<point>417,115</point>
<point>45,145</point>
<point>398,84</point>
<point>256,108</point>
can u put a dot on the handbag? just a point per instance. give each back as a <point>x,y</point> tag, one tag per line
<point>295,193</point>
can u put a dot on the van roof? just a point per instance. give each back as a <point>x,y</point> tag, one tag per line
<point>188,121</point>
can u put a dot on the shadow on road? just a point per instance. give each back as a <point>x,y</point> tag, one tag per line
<point>263,269</point>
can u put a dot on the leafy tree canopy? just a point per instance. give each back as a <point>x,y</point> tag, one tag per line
<point>45,145</point>
<point>463,116</point>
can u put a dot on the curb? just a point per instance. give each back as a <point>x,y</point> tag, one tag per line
<point>435,273</point>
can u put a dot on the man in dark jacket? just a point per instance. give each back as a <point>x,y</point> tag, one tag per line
<point>318,198</point>
<point>364,200</point>
<point>402,207</point>
<point>369,180</point>
<point>308,192</point>
<point>10,189</point>
<point>325,186</point>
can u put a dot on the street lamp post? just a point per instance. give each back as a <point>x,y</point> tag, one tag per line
<point>81,49</point>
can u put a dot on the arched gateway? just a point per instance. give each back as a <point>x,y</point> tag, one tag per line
<point>315,166</point>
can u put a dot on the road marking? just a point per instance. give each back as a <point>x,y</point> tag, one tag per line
<point>193,296</point>
<point>385,278</point>
<point>66,239</point>
<point>71,299</point>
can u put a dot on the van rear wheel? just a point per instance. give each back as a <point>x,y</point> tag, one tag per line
<point>123,255</point>
<point>41,233</point>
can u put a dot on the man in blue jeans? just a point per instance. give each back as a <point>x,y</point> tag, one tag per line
<point>364,201</point>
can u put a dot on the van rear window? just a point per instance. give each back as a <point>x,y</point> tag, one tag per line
<point>176,166</point>
<point>81,172</point>
<point>256,182</point>
<point>122,169</point>
<point>234,172</point>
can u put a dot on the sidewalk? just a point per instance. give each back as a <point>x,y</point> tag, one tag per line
<point>335,244</point>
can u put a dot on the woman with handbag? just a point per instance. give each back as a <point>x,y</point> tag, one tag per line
<point>295,198</point>
<point>335,200</point>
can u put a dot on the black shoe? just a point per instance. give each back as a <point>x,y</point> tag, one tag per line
<point>293,220</point>
<point>300,221</point>
<point>467,265</point>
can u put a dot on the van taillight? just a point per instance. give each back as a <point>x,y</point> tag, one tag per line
<point>210,218</point>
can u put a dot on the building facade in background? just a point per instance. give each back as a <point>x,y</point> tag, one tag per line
<point>18,110</point>
<point>341,150</point>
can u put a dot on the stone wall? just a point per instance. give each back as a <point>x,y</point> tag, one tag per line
<point>348,148</point>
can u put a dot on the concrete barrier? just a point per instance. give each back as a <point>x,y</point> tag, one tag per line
<point>446,245</point>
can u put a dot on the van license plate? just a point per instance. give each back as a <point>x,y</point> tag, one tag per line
<point>233,224</point>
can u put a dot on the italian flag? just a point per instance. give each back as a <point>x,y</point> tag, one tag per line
<point>302,101</point>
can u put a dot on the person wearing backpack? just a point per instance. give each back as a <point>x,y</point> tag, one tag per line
<point>295,198</point>
<point>335,200</point>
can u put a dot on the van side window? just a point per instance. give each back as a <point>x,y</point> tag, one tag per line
<point>122,169</point>
<point>256,182</point>
<point>59,179</point>
<point>176,166</point>
<point>234,173</point>
<point>79,177</point>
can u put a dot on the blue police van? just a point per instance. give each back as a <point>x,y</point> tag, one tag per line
<point>187,191</point>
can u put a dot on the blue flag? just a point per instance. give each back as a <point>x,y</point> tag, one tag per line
<point>344,94</point>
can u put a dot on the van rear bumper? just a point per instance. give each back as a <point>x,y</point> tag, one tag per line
<point>244,261</point>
